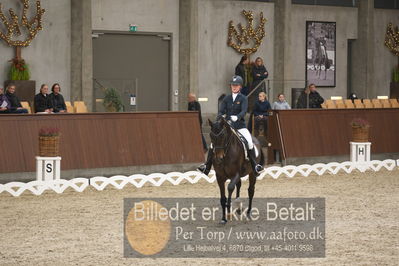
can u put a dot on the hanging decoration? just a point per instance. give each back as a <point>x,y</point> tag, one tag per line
<point>240,39</point>
<point>14,28</point>
<point>13,25</point>
<point>392,39</point>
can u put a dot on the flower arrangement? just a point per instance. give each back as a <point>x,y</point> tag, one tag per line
<point>19,70</point>
<point>49,132</point>
<point>359,122</point>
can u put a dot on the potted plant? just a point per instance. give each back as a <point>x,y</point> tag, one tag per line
<point>360,130</point>
<point>49,142</point>
<point>112,100</point>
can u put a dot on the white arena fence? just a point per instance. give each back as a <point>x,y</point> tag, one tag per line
<point>175,178</point>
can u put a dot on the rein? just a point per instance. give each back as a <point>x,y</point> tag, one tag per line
<point>226,146</point>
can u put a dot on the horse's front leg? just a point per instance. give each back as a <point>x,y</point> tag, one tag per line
<point>251,192</point>
<point>222,199</point>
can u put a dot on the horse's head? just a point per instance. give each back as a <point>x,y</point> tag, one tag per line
<point>220,135</point>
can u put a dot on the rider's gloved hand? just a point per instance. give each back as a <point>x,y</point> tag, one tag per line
<point>233,118</point>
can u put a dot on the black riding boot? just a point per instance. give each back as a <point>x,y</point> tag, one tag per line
<point>257,168</point>
<point>205,168</point>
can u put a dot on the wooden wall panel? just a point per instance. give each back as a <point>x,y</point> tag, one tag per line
<point>311,133</point>
<point>101,140</point>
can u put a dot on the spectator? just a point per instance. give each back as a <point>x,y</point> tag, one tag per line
<point>42,101</point>
<point>194,105</point>
<point>16,106</point>
<point>57,100</point>
<point>5,104</point>
<point>262,106</point>
<point>281,103</point>
<point>244,73</point>
<point>315,100</point>
<point>259,73</point>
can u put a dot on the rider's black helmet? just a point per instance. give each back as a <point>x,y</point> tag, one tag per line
<point>236,80</point>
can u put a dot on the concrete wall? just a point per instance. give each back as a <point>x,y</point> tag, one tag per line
<point>346,28</point>
<point>216,60</point>
<point>49,55</point>
<point>384,59</point>
<point>148,15</point>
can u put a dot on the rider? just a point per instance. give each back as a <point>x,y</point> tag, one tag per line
<point>235,106</point>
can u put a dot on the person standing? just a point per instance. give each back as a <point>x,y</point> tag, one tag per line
<point>194,105</point>
<point>57,100</point>
<point>281,103</point>
<point>259,73</point>
<point>42,101</point>
<point>234,106</point>
<point>243,71</point>
<point>16,106</point>
<point>261,113</point>
<point>310,98</point>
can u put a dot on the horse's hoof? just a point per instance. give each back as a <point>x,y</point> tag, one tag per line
<point>223,222</point>
<point>238,211</point>
<point>249,215</point>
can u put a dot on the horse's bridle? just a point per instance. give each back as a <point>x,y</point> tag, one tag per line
<point>226,145</point>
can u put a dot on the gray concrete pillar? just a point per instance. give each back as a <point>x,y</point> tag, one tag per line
<point>282,14</point>
<point>188,50</point>
<point>363,52</point>
<point>81,53</point>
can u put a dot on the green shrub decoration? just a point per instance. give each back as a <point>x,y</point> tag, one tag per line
<point>395,74</point>
<point>19,70</point>
<point>112,100</point>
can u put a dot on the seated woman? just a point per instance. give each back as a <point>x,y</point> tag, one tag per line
<point>281,103</point>
<point>262,106</point>
<point>5,104</point>
<point>42,101</point>
<point>57,99</point>
<point>16,106</point>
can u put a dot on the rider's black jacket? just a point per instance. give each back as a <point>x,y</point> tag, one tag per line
<point>238,108</point>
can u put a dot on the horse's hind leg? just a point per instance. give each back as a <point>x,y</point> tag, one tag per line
<point>222,200</point>
<point>251,192</point>
<point>238,187</point>
<point>230,189</point>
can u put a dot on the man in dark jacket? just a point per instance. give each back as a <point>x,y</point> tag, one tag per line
<point>16,106</point>
<point>234,106</point>
<point>309,98</point>
<point>194,105</point>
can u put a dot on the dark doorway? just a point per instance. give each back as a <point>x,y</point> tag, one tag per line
<point>136,65</point>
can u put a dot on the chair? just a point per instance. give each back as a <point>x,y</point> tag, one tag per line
<point>80,107</point>
<point>69,107</point>
<point>330,104</point>
<point>358,103</point>
<point>376,103</point>
<point>385,103</point>
<point>26,105</point>
<point>367,103</point>
<point>340,104</point>
<point>349,104</point>
<point>394,103</point>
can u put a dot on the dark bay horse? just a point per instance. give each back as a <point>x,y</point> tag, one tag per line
<point>230,164</point>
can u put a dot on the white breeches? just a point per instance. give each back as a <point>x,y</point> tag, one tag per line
<point>247,136</point>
